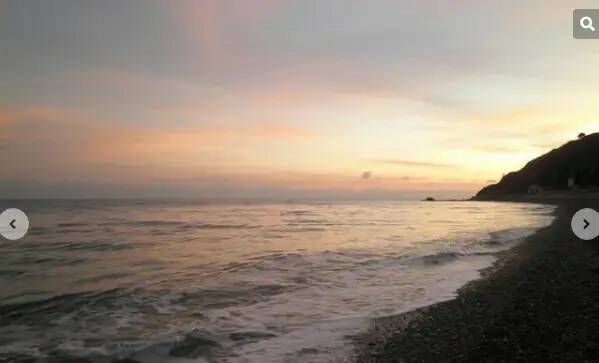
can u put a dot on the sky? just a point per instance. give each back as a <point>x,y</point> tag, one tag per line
<point>340,99</point>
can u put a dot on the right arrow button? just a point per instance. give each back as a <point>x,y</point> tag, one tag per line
<point>585,224</point>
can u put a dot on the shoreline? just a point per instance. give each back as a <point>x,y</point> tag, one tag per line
<point>535,303</point>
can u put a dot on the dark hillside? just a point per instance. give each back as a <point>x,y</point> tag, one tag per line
<point>574,165</point>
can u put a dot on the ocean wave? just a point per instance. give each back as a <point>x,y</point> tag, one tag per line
<point>72,224</point>
<point>437,258</point>
<point>176,224</point>
<point>218,226</point>
<point>506,236</point>
<point>299,212</point>
<point>55,305</point>
<point>11,273</point>
<point>90,246</point>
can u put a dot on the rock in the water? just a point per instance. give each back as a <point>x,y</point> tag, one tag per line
<point>250,335</point>
<point>195,344</point>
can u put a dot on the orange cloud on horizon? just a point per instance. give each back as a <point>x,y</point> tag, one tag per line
<point>56,146</point>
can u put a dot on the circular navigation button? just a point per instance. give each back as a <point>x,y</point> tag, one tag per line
<point>13,224</point>
<point>585,224</point>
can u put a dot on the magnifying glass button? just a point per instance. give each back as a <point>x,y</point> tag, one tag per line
<point>585,23</point>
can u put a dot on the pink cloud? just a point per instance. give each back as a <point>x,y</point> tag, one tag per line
<point>64,143</point>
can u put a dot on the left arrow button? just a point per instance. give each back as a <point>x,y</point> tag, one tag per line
<point>13,224</point>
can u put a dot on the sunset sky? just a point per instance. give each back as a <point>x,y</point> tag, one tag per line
<point>285,99</point>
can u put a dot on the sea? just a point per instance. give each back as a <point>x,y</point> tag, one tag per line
<point>190,281</point>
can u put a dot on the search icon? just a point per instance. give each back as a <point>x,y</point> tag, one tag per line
<point>586,22</point>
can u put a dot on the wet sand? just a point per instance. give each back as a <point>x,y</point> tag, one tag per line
<point>538,303</point>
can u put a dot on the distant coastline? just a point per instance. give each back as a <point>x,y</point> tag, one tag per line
<point>570,172</point>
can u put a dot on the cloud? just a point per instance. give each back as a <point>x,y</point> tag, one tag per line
<point>405,162</point>
<point>495,149</point>
<point>57,144</point>
<point>66,154</point>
